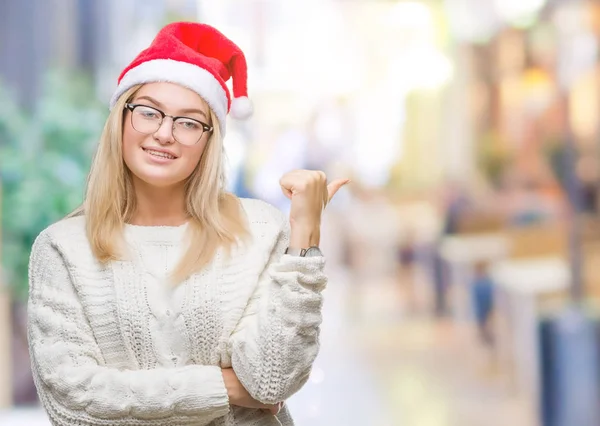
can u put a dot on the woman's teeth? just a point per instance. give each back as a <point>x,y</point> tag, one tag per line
<point>159,154</point>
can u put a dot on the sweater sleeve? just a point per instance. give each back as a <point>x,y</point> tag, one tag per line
<point>73,382</point>
<point>277,339</point>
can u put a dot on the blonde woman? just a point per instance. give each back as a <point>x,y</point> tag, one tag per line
<point>164,300</point>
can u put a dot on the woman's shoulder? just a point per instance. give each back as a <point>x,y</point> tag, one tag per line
<point>65,232</point>
<point>66,228</point>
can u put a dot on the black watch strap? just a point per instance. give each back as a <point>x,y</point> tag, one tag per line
<point>313,251</point>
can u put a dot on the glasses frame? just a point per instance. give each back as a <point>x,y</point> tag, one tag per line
<point>205,127</point>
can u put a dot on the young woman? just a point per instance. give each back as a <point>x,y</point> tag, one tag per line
<point>165,300</point>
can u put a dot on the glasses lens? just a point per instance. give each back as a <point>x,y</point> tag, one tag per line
<point>145,119</point>
<point>187,131</point>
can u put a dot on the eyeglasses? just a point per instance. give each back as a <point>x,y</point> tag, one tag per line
<point>147,120</point>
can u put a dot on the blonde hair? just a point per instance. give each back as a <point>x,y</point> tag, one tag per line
<point>216,218</point>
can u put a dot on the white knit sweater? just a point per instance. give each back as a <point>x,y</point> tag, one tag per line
<point>116,345</point>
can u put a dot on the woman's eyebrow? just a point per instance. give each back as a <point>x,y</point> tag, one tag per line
<point>183,111</point>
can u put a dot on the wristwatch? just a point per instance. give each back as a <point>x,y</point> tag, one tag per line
<point>313,251</point>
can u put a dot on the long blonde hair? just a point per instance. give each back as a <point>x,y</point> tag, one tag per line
<point>216,218</point>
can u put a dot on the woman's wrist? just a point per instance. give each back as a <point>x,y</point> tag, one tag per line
<point>230,384</point>
<point>304,235</point>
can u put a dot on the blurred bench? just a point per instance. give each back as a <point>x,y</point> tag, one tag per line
<point>535,276</point>
<point>524,288</point>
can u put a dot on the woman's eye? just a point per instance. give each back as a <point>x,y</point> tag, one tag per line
<point>147,113</point>
<point>189,125</point>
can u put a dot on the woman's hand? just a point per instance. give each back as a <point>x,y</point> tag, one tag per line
<point>309,193</point>
<point>238,395</point>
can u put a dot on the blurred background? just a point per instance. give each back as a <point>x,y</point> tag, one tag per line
<point>462,257</point>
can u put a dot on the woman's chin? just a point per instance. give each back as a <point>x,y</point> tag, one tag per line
<point>159,181</point>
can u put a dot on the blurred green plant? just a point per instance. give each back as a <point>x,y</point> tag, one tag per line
<point>44,159</point>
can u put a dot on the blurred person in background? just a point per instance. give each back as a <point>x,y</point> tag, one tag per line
<point>407,262</point>
<point>456,204</point>
<point>482,297</point>
<point>164,300</point>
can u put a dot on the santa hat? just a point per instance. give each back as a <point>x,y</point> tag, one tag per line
<point>196,56</point>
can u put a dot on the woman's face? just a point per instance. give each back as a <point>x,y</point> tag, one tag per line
<point>166,155</point>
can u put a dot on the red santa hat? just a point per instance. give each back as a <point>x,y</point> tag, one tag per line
<point>196,56</point>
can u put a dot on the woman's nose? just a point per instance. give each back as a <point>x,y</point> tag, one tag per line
<point>164,134</point>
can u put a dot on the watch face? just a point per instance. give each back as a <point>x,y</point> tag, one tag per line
<point>313,252</point>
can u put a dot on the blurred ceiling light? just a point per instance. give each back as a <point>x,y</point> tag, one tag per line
<point>409,14</point>
<point>421,67</point>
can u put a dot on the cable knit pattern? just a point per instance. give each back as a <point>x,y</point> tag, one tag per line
<point>116,345</point>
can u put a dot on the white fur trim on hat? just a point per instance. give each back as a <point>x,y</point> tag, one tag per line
<point>241,108</point>
<point>191,76</point>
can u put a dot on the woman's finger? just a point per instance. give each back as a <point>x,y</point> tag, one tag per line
<point>334,187</point>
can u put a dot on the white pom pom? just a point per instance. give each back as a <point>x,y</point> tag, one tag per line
<point>241,108</point>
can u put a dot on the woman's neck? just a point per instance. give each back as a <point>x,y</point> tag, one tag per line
<point>159,206</point>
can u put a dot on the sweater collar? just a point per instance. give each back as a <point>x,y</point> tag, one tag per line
<point>166,234</point>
